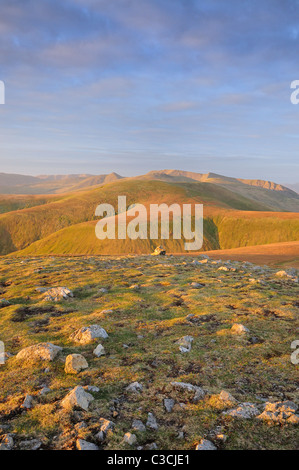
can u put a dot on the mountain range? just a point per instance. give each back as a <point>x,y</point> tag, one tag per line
<point>55,214</point>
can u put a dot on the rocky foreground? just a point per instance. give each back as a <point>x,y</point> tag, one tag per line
<point>147,353</point>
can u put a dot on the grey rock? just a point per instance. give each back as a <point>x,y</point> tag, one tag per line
<point>81,444</point>
<point>205,445</point>
<point>77,398</point>
<point>134,387</point>
<point>152,422</point>
<point>168,404</point>
<point>138,425</point>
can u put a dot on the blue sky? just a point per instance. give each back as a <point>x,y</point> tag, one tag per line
<point>96,86</point>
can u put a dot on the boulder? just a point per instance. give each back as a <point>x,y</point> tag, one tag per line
<point>57,293</point>
<point>43,351</point>
<point>199,393</point>
<point>280,412</point>
<point>138,425</point>
<point>32,444</point>
<point>74,363</point>
<point>77,397</point>
<point>85,445</point>
<point>243,411</point>
<point>88,334</point>
<point>130,439</point>
<point>205,445</point>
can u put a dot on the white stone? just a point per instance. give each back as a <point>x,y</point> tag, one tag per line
<point>77,397</point>
<point>74,363</point>
<point>43,351</point>
<point>87,334</point>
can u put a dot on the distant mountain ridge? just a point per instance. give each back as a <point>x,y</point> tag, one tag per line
<point>51,184</point>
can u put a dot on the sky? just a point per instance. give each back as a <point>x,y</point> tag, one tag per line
<point>95,86</point>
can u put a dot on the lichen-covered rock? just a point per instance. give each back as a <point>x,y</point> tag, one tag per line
<point>226,397</point>
<point>88,334</point>
<point>243,411</point>
<point>43,351</point>
<point>185,343</point>
<point>280,412</point>
<point>77,397</point>
<point>74,363</point>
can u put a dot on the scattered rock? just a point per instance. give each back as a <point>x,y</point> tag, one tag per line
<point>77,398</point>
<point>238,329</point>
<point>205,445</point>
<point>159,251</point>
<point>43,351</point>
<point>92,388</point>
<point>28,402</point>
<point>33,444</point>
<point>168,404</point>
<point>244,411</point>
<point>152,422</point>
<point>138,425</point>
<point>6,442</point>
<point>103,290</point>
<point>199,393</point>
<point>74,363</point>
<point>87,334</point>
<point>106,426</point>
<point>85,445</point>
<point>134,387</point>
<point>99,351</point>
<point>185,343</point>
<point>44,391</point>
<point>226,397</point>
<point>130,439</point>
<point>197,285</point>
<point>280,412</point>
<point>57,293</point>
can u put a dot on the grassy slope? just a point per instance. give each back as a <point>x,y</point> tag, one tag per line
<point>220,232</point>
<point>218,360</point>
<point>226,213</point>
